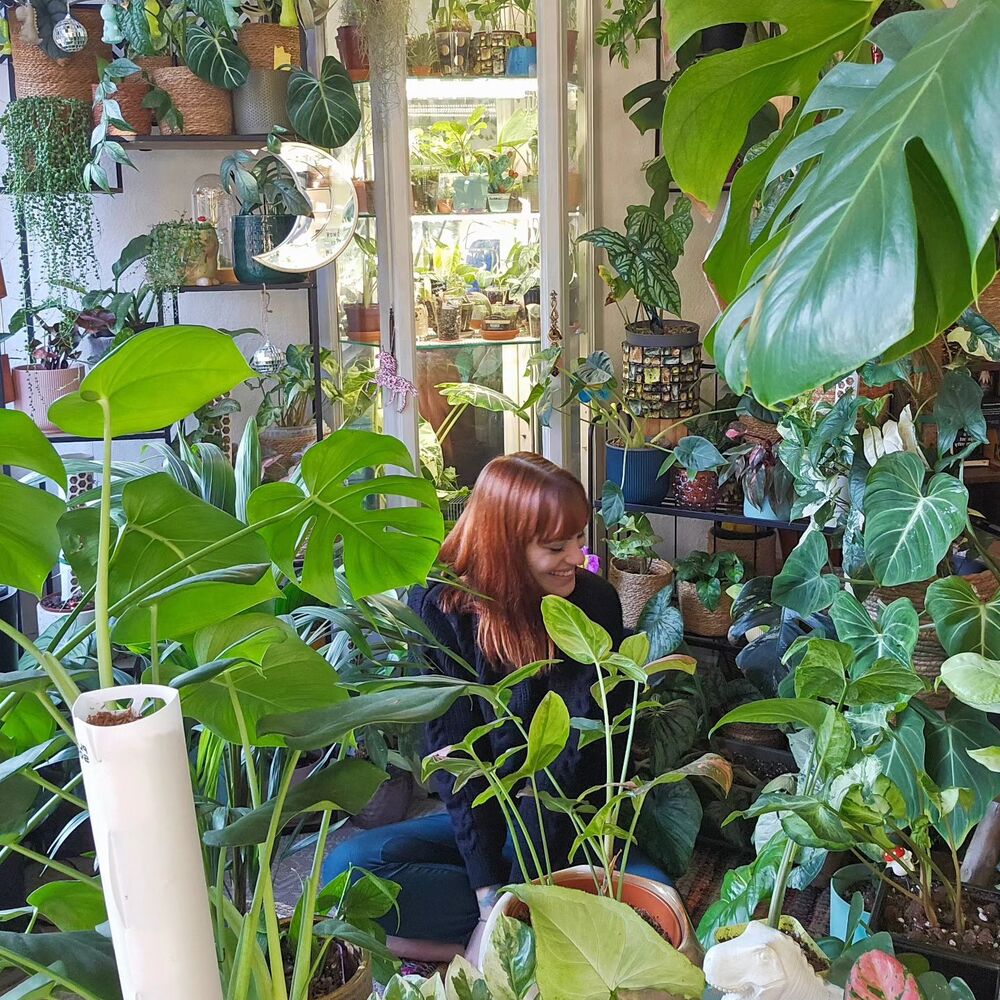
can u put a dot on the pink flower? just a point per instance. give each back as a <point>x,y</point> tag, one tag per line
<point>591,563</point>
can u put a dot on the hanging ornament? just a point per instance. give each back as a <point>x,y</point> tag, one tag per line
<point>267,360</point>
<point>69,34</point>
<point>398,388</point>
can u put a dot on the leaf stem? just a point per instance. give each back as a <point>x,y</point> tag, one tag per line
<point>102,620</point>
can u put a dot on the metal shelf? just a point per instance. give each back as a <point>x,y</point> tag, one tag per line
<point>150,143</point>
<point>453,345</point>
<point>291,286</point>
<point>730,513</point>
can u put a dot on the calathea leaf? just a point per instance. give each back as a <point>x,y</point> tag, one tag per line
<point>909,526</point>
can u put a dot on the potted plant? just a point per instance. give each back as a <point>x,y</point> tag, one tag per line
<point>663,356</point>
<point>634,571</point>
<point>501,180</point>
<point>450,147</point>
<point>452,34</point>
<point>696,479</point>
<point>703,578</point>
<point>522,58</point>
<point>421,54</point>
<point>755,465</point>
<point>501,323</point>
<point>47,140</point>
<point>351,40</point>
<point>182,253</point>
<point>270,203</point>
<point>363,318</point>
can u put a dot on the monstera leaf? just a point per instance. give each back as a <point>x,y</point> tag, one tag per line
<point>384,547</point>
<point>964,623</point>
<point>324,110</point>
<point>29,538</point>
<point>894,636</point>
<point>910,525</point>
<point>709,108</point>
<point>882,197</point>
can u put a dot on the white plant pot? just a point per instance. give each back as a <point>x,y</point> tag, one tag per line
<point>47,618</point>
<point>141,805</point>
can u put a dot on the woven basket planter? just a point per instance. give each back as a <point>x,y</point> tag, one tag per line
<point>929,653</point>
<point>988,304</point>
<point>697,618</point>
<point>756,548</point>
<point>36,75</point>
<point>259,42</point>
<point>207,110</point>
<point>635,588</point>
<point>129,97</point>
<point>282,448</point>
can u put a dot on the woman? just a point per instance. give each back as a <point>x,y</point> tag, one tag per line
<point>520,538</point>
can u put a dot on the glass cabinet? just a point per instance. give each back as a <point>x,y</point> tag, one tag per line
<point>487,157</point>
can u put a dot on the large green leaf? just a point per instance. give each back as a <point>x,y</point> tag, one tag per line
<point>153,380</point>
<point>480,396</point>
<point>909,526</point>
<point>949,741</point>
<point>344,784</point>
<point>973,679</point>
<point>573,632</point>
<point>29,539</point>
<point>964,623</point>
<point>802,585</point>
<point>81,962</point>
<point>164,524</point>
<point>669,825</point>
<point>384,547</point>
<point>273,671</point>
<point>894,202</point>
<point>213,55</point>
<point>662,621</point>
<point>901,755</point>
<point>71,906</point>
<point>709,108</point>
<point>812,714</point>
<point>595,948</point>
<point>885,682</point>
<point>324,110</point>
<point>893,637</point>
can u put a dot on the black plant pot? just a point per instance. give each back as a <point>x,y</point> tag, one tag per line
<point>982,975</point>
<point>8,613</point>
<point>255,234</point>
<point>637,472</point>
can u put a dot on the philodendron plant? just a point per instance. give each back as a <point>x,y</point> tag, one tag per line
<point>189,590</point>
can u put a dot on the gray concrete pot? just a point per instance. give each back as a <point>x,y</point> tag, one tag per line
<point>260,103</point>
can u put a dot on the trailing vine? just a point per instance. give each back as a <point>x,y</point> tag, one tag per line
<point>48,145</point>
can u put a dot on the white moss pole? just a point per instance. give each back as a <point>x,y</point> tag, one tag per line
<point>139,792</point>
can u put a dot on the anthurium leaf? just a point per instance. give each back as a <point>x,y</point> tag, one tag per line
<point>910,525</point>
<point>822,672</point>
<point>949,740</point>
<point>324,110</point>
<point>973,679</point>
<point>612,504</point>
<point>808,323</point>
<point>153,380</point>
<point>272,671</point>
<point>480,396</point>
<point>698,454</point>
<point>345,784</point>
<point>901,756</point>
<point>573,632</point>
<point>165,523</point>
<point>80,962</point>
<point>964,623</point>
<point>893,637</point>
<point>591,948</point>
<point>71,906</point>
<point>669,825</point>
<point>802,585</point>
<point>709,108</point>
<point>213,55</point>
<point>384,547</point>
<point>878,976</point>
<point>959,407</point>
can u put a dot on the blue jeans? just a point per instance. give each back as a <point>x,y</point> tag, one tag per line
<point>436,901</point>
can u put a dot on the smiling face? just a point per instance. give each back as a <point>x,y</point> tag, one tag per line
<point>553,565</point>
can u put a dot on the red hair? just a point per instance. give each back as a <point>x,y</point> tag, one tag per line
<point>518,499</point>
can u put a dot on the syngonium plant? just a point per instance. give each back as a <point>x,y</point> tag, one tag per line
<point>810,242</point>
<point>190,587</point>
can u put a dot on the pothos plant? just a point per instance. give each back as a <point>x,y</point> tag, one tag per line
<point>710,572</point>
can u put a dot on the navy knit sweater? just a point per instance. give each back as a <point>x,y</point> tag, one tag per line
<point>481,832</point>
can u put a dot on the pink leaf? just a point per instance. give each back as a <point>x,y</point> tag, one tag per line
<point>878,976</point>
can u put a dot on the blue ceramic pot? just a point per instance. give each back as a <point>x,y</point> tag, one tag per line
<point>254,234</point>
<point>637,472</point>
<point>522,60</point>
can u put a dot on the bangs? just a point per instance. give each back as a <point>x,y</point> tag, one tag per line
<point>562,511</point>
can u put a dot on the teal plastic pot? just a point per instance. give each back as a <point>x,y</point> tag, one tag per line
<point>841,890</point>
<point>637,472</point>
<point>254,234</point>
<point>767,512</point>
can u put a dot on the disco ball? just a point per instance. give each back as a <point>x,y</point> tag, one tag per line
<point>268,360</point>
<point>69,34</point>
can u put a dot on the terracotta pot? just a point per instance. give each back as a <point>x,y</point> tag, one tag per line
<point>364,190</point>
<point>363,323</point>
<point>636,588</point>
<point>283,446</point>
<point>36,389</point>
<point>353,51</point>
<point>129,96</point>
<point>660,901</point>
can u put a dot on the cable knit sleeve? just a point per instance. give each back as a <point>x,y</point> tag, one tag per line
<point>480,832</point>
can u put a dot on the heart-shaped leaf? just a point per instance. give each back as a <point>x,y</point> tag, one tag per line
<point>964,623</point>
<point>878,976</point>
<point>893,637</point>
<point>213,55</point>
<point>802,585</point>
<point>973,679</point>
<point>324,110</point>
<point>573,632</point>
<point>910,525</point>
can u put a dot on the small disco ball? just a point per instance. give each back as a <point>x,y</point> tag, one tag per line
<point>268,360</point>
<point>69,35</point>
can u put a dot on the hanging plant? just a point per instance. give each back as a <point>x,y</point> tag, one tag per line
<point>175,248</point>
<point>48,145</point>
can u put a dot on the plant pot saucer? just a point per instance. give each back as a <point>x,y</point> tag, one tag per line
<point>508,334</point>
